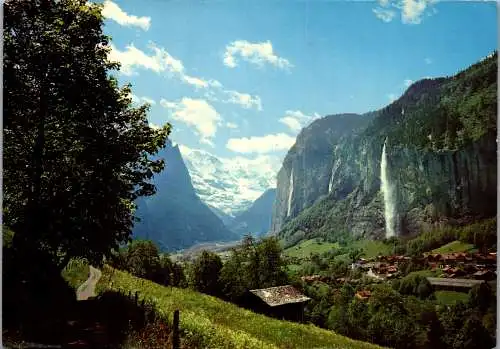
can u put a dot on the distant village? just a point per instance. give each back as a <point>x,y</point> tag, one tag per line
<point>459,271</point>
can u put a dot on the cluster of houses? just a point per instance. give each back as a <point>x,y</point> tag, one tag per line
<point>476,265</point>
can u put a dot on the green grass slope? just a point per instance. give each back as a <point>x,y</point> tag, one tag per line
<point>308,247</point>
<point>450,297</point>
<point>220,324</point>
<point>372,248</point>
<point>455,246</point>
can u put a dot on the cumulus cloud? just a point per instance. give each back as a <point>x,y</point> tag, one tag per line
<point>392,97</point>
<point>231,125</point>
<point>115,13</point>
<point>264,144</point>
<point>244,99</point>
<point>196,113</point>
<point>296,120</point>
<point>258,53</point>
<point>384,14</point>
<point>159,61</point>
<point>412,11</point>
<point>133,57</point>
<point>154,126</point>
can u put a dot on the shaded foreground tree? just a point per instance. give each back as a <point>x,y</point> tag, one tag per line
<point>75,156</point>
<point>75,150</point>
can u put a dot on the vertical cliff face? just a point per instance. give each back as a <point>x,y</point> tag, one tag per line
<point>257,218</point>
<point>427,186</point>
<point>441,162</point>
<point>310,161</point>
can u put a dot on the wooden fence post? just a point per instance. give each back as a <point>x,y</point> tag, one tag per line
<point>176,340</point>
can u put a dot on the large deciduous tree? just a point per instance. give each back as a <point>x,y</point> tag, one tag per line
<point>75,149</point>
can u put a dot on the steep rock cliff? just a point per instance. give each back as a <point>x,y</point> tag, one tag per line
<point>305,173</point>
<point>441,152</point>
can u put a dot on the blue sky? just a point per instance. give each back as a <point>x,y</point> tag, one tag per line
<point>239,78</point>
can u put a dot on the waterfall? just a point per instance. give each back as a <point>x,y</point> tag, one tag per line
<point>388,192</point>
<point>290,193</point>
<point>331,181</point>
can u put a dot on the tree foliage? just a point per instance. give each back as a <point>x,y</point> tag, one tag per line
<point>255,264</point>
<point>75,150</point>
<point>205,273</point>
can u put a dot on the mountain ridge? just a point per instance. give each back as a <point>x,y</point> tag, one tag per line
<point>175,217</point>
<point>441,146</point>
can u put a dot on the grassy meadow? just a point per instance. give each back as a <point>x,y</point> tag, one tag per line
<point>214,323</point>
<point>308,247</point>
<point>456,246</point>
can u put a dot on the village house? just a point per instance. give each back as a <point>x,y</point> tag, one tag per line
<point>282,302</point>
<point>363,295</point>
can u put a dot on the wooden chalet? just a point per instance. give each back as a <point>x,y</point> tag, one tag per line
<point>282,302</point>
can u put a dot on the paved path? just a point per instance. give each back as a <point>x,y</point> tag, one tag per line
<point>87,289</point>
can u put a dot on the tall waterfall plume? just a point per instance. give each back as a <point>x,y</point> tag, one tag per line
<point>389,197</point>
<point>290,194</point>
<point>330,183</point>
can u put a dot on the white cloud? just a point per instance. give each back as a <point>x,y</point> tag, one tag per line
<point>392,97</point>
<point>428,60</point>
<point>412,11</point>
<point>408,82</point>
<point>197,113</point>
<point>161,61</point>
<point>231,125</point>
<point>114,12</point>
<point>154,126</point>
<point>265,144</point>
<point>244,99</point>
<point>197,82</point>
<point>132,57</point>
<point>384,14</point>
<point>256,53</point>
<point>296,120</point>
<point>292,123</point>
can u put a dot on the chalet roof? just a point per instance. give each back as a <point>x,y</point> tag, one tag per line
<point>363,294</point>
<point>280,295</point>
<point>453,282</point>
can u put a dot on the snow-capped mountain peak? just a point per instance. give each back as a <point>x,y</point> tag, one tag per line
<point>230,184</point>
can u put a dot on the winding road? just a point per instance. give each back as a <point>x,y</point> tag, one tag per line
<point>87,289</point>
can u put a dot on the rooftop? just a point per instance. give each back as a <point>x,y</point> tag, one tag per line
<point>467,283</point>
<point>280,295</point>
